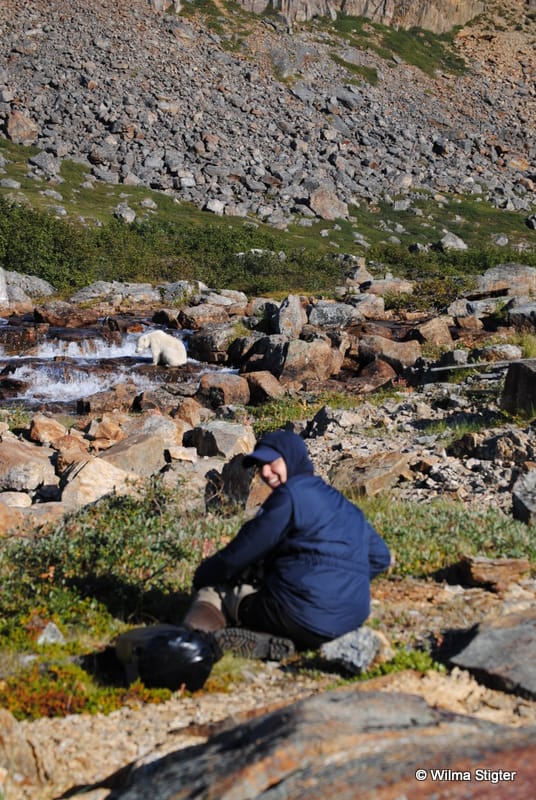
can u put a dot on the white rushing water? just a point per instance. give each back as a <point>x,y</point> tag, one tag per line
<point>54,383</point>
<point>90,349</point>
<point>51,379</point>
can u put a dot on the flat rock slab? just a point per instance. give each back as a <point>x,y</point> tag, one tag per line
<point>346,744</point>
<point>502,654</point>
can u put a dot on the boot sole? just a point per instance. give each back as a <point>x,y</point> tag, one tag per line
<point>250,644</point>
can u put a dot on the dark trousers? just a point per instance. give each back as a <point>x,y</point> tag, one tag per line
<point>261,612</point>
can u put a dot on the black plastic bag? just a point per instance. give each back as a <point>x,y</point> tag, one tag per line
<point>167,656</point>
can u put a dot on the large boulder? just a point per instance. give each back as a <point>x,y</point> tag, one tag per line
<point>223,389</point>
<point>346,744</point>
<point>142,453</point>
<point>398,354</point>
<point>509,279</point>
<point>369,475</point>
<point>25,467</point>
<point>88,481</point>
<point>266,353</point>
<point>291,317</point>
<point>502,652</point>
<point>210,343</point>
<point>315,360</point>
<point>524,497</point>
<point>222,438</point>
<point>519,393</point>
<point>325,313</point>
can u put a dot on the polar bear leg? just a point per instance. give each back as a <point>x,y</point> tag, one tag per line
<point>142,344</point>
<point>156,351</point>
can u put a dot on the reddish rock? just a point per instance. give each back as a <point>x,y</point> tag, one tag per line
<point>399,354</point>
<point>369,475</point>
<point>21,129</point>
<point>495,573</point>
<point>325,203</point>
<point>373,376</point>
<point>436,331</point>
<point>46,430</point>
<point>315,360</point>
<point>196,317</point>
<point>120,397</point>
<point>347,744</point>
<point>70,448</point>
<point>264,386</point>
<point>10,518</point>
<point>222,389</point>
<point>66,315</point>
<point>189,411</point>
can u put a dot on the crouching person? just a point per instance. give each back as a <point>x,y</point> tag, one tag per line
<point>315,553</point>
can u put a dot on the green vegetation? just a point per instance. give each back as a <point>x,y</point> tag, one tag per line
<point>119,559</point>
<point>115,564</point>
<point>369,74</point>
<point>527,342</point>
<point>403,659</point>
<point>16,417</point>
<point>232,23</point>
<point>55,690</point>
<point>427,51</point>
<point>276,413</point>
<point>126,561</point>
<point>196,245</point>
<point>178,241</point>
<point>453,429</point>
<point>427,537</point>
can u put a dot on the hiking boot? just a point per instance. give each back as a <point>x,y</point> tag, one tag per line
<point>251,644</point>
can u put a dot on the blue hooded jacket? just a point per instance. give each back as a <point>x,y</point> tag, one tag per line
<point>318,551</point>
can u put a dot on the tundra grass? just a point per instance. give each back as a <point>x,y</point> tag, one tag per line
<point>423,49</point>
<point>173,240</point>
<point>368,74</point>
<point>126,561</point>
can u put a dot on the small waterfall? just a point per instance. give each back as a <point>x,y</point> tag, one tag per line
<point>74,364</point>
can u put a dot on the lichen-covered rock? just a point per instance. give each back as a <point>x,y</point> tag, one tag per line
<point>346,744</point>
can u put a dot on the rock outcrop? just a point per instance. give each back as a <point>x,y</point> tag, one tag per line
<point>350,744</point>
<point>433,15</point>
<point>197,412</point>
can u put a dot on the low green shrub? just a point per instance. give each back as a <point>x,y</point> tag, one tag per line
<point>427,537</point>
<point>277,413</point>
<point>55,690</point>
<point>121,559</point>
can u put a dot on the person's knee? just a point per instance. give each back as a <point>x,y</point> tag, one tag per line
<point>234,597</point>
<point>205,616</point>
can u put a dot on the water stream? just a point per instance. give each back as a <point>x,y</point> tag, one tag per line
<point>70,364</point>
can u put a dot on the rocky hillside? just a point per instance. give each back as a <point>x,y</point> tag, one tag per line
<point>243,115</point>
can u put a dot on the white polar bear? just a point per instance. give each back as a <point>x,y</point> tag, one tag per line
<point>166,349</point>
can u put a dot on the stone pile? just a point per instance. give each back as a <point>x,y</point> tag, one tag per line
<point>194,425</point>
<point>158,100</point>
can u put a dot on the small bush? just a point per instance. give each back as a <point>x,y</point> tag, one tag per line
<point>119,559</point>
<point>427,537</point>
<point>55,690</point>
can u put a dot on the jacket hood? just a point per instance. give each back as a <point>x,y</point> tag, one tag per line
<point>282,443</point>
